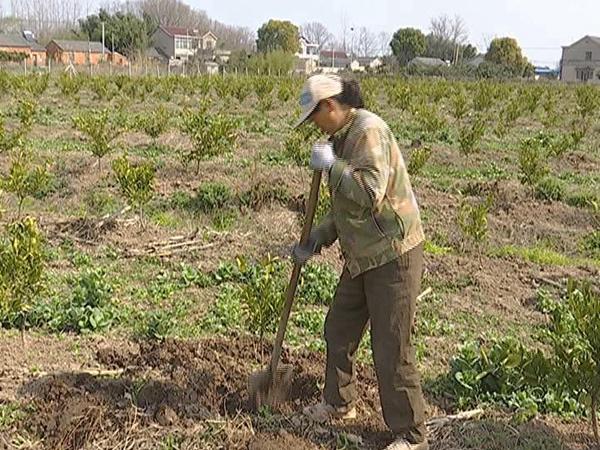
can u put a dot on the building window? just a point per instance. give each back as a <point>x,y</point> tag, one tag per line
<point>585,74</point>
<point>588,56</point>
<point>182,43</point>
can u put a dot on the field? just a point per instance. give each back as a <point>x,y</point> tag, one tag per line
<point>160,273</point>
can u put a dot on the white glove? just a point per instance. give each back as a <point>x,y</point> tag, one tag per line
<point>302,253</point>
<point>322,156</point>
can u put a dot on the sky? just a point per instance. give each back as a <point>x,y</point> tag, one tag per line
<point>540,26</point>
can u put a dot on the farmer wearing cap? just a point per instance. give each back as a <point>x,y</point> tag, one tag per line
<point>375,216</point>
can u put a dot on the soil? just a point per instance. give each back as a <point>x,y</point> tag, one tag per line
<point>186,389</point>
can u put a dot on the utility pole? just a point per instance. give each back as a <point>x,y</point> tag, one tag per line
<point>103,56</point>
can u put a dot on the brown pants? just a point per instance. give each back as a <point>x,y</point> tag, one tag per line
<point>386,296</point>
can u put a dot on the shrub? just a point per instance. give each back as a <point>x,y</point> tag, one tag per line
<point>532,160</point>
<point>549,188</point>
<point>418,159</point>
<point>472,219</point>
<point>100,129</point>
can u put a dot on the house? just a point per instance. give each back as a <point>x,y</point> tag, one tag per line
<point>178,43</point>
<point>421,61</point>
<point>333,61</point>
<point>77,52</point>
<point>117,59</point>
<point>307,56</point>
<point>545,73</point>
<point>25,45</point>
<point>580,62</point>
<point>152,54</point>
<point>366,64</point>
<point>476,61</point>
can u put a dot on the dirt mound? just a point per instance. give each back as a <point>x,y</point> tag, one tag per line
<point>182,384</point>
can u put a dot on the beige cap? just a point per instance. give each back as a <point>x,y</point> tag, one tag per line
<point>317,88</point>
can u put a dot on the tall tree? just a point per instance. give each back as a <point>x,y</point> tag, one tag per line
<point>48,16</point>
<point>408,43</point>
<point>278,35</point>
<point>317,33</point>
<point>384,38</point>
<point>506,52</point>
<point>366,42</point>
<point>447,38</point>
<point>174,13</point>
<point>128,32</point>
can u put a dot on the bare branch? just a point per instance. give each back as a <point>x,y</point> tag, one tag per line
<point>317,33</point>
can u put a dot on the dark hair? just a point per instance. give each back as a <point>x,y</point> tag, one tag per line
<point>350,95</point>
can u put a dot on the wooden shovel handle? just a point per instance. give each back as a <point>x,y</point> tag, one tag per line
<point>290,292</point>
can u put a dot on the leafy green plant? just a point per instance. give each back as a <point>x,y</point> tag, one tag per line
<point>484,95</point>
<point>431,123</point>
<point>136,182</point>
<point>549,188</point>
<point>23,179</point>
<point>418,159</point>
<point>532,160</point>
<point>472,219</point>
<point>100,129</point>
<point>89,307</point>
<point>588,101</point>
<point>470,135</point>
<point>158,324</point>
<point>153,124</point>
<point>317,285</point>
<point>262,294</point>
<point>261,194</point>
<point>459,104</point>
<point>590,244</point>
<point>211,135</point>
<point>8,139</point>
<point>26,112</point>
<point>22,262</point>
<point>70,85</point>
<point>297,144</point>
<point>211,196</point>
<point>575,339</point>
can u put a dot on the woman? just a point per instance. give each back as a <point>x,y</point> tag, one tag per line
<point>375,216</point>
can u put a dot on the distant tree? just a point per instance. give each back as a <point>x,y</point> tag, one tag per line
<point>278,35</point>
<point>468,52</point>
<point>129,32</point>
<point>408,43</point>
<point>317,33</point>
<point>383,40</point>
<point>366,42</point>
<point>507,53</point>
<point>447,38</point>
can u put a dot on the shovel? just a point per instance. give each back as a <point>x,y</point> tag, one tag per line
<point>272,385</point>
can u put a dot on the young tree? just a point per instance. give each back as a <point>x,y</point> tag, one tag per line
<point>408,43</point>
<point>317,33</point>
<point>278,35</point>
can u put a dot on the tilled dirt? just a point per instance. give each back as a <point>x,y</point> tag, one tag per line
<point>182,384</point>
<point>192,395</point>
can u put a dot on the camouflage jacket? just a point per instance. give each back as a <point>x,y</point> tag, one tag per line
<point>374,212</point>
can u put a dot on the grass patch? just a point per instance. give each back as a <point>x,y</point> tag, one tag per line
<point>543,256</point>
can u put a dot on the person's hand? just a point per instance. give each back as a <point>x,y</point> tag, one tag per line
<point>322,156</point>
<point>302,253</point>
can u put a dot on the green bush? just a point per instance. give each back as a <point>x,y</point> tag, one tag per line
<point>211,135</point>
<point>22,263</point>
<point>90,307</point>
<point>318,283</point>
<point>24,180</point>
<point>211,196</point>
<point>472,219</point>
<point>550,188</point>
<point>418,159</point>
<point>100,128</point>
<point>135,181</point>
<point>590,244</point>
<point>532,159</point>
